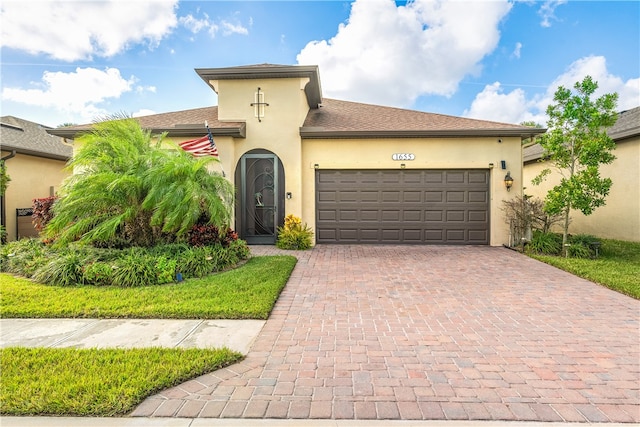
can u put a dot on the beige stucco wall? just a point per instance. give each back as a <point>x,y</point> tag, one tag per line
<point>620,217</point>
<point>433,153</point>
<point>31,177</point>
<point>278,131</point>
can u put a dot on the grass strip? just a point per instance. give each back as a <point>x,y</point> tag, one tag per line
<point>91,382</point>
<point>247,292</point>
<point>617,267</point>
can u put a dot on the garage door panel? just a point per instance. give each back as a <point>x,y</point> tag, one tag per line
<point>433,196</point>
<point>327,215</point>
<point>391,215</point>
<point>455,216</point>
<point>478,216</point>
<point>455,177</point>
<point>369,196</point>
<point>399,206</point>
<point>455,236</point>
<point>478,196</point>
<point>478,177</point>
<point>411,216</point>
<point>455,196</point>
<point>370,215</point>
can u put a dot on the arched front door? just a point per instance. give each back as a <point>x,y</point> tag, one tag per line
<point>260,208</point>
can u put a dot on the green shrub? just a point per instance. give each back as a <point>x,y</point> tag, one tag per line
<point>172,250</point>
<point>194,263</point>
<point>22,257</point>
<point>98,274</point>
<point>294,235</point>
<point>135,270</point>
<point>545,243</point>
<point>165,269</point>
<point>580,246</point>
<point>63,270</point>
<point>240,248</point>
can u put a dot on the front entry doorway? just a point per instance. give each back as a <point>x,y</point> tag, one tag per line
<point>260,210</point>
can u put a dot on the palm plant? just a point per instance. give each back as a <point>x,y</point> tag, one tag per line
<point>128,187</point>
<point>182,188</point>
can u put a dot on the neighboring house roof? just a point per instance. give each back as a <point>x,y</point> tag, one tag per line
<point>344,119</point>
<point>627,126</point>
<point>25,137</point>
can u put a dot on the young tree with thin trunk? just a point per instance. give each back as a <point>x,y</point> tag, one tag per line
<point>576,144</point>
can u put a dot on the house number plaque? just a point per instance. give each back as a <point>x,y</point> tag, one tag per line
<point>403,156</point>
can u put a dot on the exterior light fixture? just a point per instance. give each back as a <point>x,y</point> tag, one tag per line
<point>508,181</point>
<point>316,166</point>
<point>289,195</point>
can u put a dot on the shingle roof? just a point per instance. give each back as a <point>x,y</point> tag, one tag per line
<point>627,126</point>
<point>31,138</point>
<point>177,123</point>
<point>334,118</point>
<point>337,118</point>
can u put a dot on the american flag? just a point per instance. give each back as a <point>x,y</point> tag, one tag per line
<point>200,147</point>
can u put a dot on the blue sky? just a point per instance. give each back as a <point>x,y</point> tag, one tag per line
<point>75,61</point>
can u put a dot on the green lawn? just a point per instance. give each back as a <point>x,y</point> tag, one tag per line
<point>617,267</point>
<point>247,292</point>
<point>108,382</point>
<point>90,382</point>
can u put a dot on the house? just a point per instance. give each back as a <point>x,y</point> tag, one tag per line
<point>620,217</point>
<point>356,173</point>
<point>35,162</point>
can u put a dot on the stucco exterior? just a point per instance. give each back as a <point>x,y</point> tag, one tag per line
<point>620,217</point>
<point>37,168</point>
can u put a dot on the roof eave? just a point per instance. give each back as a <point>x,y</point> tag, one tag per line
<point>319,133</point>
<point>235,132</point>
<point>34,153</point>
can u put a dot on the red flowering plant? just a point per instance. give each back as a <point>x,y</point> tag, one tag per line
<point>42,212</point>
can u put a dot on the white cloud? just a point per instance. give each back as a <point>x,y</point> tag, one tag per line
<point>514,107</point>
<point>195,25</point>
<point>229,28</point>
<point>392,55</point>
<point>143,112</point>
<point>547,11</point>
<point>518,49</point>
<point>73,30</point>
<point>78,93</point>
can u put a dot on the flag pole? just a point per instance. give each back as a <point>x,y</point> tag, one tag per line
<point>206,124</point>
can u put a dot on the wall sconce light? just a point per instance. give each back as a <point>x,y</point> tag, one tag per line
<point>289,195</point>
<point>508,181</point>
<point>316,166</point>
<point>402,166</point>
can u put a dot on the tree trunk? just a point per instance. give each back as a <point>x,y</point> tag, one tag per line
<point>565,232</point>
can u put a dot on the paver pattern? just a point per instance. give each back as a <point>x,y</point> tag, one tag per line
<point>429,332</point>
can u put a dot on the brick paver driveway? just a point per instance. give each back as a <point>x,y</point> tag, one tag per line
<point>429,332</point>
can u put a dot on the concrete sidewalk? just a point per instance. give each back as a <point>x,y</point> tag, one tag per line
<point>237,335</point>
<point>206,422</point>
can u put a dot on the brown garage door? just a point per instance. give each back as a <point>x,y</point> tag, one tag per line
<point>402,206</point>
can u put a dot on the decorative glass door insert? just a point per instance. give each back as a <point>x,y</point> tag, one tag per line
<point>259,198</point>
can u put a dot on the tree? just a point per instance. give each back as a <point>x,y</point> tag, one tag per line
<point>576,144</point>
<point>127,187</point>
<point>531,124</point>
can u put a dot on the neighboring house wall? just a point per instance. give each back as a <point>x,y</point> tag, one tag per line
<point>36,170</point>
<point>620,217</point>
<point>31,178</point>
